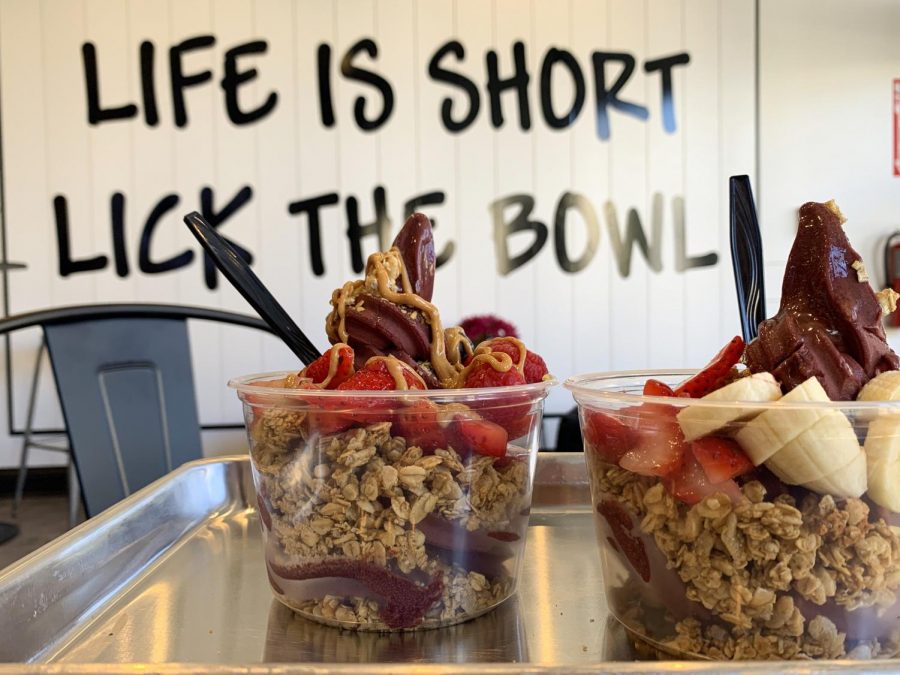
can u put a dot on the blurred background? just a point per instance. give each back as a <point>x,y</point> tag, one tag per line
<point>574,155</point>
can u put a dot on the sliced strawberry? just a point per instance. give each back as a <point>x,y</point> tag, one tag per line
<point>626,535</point>
<point>418,423</point>
<point>608,436</point>
<point>480,436</point>
<point>657,455</point>
<point>336,414</point>
<point>368,380</point>
<point>721,458</point>
<point>707,379</point>
<point>513,413</point>
<point>657,388</point>
<point>534,368</point>
<point>483,374</point>
<point>318,370</point>
<point>690,483</point>
<point>330,416</point>
<point>660,447</point>
<point>375,376</point>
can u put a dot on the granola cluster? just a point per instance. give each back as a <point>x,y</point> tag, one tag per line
<point>464,594</point>
<point>747,562</point>
<point>363,494</point>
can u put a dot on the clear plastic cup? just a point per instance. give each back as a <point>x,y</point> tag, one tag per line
<point>381,509</point>
<point>761,566</point>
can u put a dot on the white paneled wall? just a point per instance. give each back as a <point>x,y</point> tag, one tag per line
<point>826,129</point>
<point>591,319</point>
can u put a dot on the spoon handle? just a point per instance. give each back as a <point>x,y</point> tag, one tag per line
<point>238,272</point>
<point>746,256</point>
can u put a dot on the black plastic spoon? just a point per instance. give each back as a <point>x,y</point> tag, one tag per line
<point>746,256</point>
<point>238,272</point>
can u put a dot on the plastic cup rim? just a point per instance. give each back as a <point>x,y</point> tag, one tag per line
<point>599,394</point>
<point>245,385</point>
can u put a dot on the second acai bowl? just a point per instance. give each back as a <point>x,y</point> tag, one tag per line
<point>748,510</point>
<point>394,474</point>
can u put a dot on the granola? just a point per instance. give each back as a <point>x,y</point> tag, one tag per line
<point>365,495</point>
<point>767,571</point>
<point>465,595</point>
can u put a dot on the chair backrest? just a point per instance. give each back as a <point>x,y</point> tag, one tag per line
<point>126,389</point>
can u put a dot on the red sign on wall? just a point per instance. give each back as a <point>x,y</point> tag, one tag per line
<point>896,108</point>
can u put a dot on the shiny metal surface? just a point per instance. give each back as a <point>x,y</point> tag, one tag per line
<point>175,575</point>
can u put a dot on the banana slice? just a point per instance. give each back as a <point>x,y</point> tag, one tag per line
<point>883,387</point>
<point>826,446</point>
<point>771,430</point>
<point>847,481</point>
<point>697,421</point>
<point>883,461</point>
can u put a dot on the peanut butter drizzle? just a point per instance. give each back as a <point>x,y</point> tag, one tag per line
<point>396,367</point>
<point>382,268</point>
<point>523,350</point>
<point>334,359</point>
<point>333,362</point>
<point>500,362</point>
<point>339,300</point>
<point>455,337</point>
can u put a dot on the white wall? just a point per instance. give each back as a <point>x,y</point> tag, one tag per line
<point>826,69</point>
<point>825,129</point>
<point>594,319</point>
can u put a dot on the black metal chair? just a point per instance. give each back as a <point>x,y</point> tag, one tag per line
<point>126,389</point>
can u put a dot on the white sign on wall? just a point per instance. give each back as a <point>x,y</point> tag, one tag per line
<point>573,155</point>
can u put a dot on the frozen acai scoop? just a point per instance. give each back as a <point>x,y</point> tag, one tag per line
<point>389,313</point>
<point>829,322</point>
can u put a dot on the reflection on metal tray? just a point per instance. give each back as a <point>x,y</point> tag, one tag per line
<point>175,575</point>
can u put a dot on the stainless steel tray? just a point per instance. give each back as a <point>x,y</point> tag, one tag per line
<point>174,577</point>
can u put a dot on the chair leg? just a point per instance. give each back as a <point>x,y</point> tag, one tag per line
<point>74,493</point>
<point>29,425</point>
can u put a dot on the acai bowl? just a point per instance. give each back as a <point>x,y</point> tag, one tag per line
<point>394,472</point>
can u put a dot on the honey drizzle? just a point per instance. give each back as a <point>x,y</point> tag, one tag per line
<point>447,367</point>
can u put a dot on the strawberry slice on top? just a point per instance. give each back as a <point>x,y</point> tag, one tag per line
<point>483,374</point>
<point>510,412</point>
<point>657,388</point>
<point>714,372</point>
<point>514,413</point>
<point>533,369</point>
<point>379,375</point>
<point>331,369</point>
<point>335,414</point>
